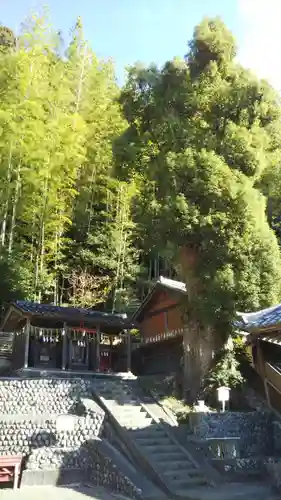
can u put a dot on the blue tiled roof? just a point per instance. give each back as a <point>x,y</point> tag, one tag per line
<point>260,319</point>
<point>36,309</point>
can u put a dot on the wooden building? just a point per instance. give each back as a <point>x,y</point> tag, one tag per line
<point>170,342</point>
<point>262,331</point>
<point>67,338</point>
<point>160,323</point>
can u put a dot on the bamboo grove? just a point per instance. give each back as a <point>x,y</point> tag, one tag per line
<point>101,186</point>
<point>65,224</point>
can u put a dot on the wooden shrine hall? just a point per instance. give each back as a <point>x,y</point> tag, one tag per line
<point>67,338</point>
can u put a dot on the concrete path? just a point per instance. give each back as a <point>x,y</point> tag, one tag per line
<point>59,493</point>
<point>226,492</point>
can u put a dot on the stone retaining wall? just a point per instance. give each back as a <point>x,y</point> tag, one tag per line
<point>254,430</point>
<point>55,425</point>
<point>105,473</point>
<point>88,465</point>
<point>27,436</point>
<point>277,436</point>
<point>31,423</point>
<point>42,396</point>
<point>273,469</point>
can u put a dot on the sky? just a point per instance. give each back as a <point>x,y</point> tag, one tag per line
<point>157,30</point>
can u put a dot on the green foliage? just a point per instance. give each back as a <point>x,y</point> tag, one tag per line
<point>212,42</point>
<point>201,135</point>
<point>241,353</point>
<point>7,38</point>
<point>65,222</point>
<point>226,371</point>
<point>196,148</point>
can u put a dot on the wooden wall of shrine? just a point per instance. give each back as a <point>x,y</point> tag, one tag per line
<point>161,329</point>
<point>161,316</point>
<point>18,352</point>
<point>70,349</point>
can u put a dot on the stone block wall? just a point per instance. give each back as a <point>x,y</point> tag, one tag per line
<point>277,436</point>
<point>29,413</point>
<point>273,470</point>
<point>41,396</point>
<point>255,430</point>
<point>32,417</point>
<point>30,436</point>
<point>105,473</point>
<point>88,465</point>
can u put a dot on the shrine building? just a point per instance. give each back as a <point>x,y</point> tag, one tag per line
<point>67,338</point>
<point>161,325</point>
<point>171,341</point>
<point>262,332</point>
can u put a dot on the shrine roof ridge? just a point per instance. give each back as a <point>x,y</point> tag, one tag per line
<point>37,309</point>
<point>173,285</point>
<point>265,318</point>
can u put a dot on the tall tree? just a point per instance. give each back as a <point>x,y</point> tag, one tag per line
<point>101,251</point>
<point>201,133</point>
<point>42,148</point>
<point>7,38</point>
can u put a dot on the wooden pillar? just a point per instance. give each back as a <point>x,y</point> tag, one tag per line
<point>70,351</point>
<point>165,321</point>
<point>129,350</point>
<point>27,339</point>
<point>87,349</point>
<point>260,360</point>
<point>110,353</point>
<point>98,348</point>
<point>64,346</point>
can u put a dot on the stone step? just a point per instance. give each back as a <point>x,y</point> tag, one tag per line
<point>160,448</point>
<point>183,471</point>
<point>230,491</point>
<point>124,406</point>
<point>175,465</point>
<point>130,414</point>
<point>116,392</point>
<point>120,402</point>
<point>153,431</point>
<point>113,389</point>
<point>133,412</point>
<point>187,482</point>
<point>153,440</point>
<point>134,424</point>
<point>164,457</point>
<point>139,417</point>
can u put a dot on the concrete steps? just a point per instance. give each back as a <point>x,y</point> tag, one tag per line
<point>160,450</point>
<point>230,491</point>
<point>165,455</point>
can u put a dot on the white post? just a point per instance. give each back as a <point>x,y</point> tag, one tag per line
<point>223,396</point>
<point>27,338</point>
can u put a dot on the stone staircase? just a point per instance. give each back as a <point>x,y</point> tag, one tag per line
<point>181,476</point>
<point>167,457</point>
